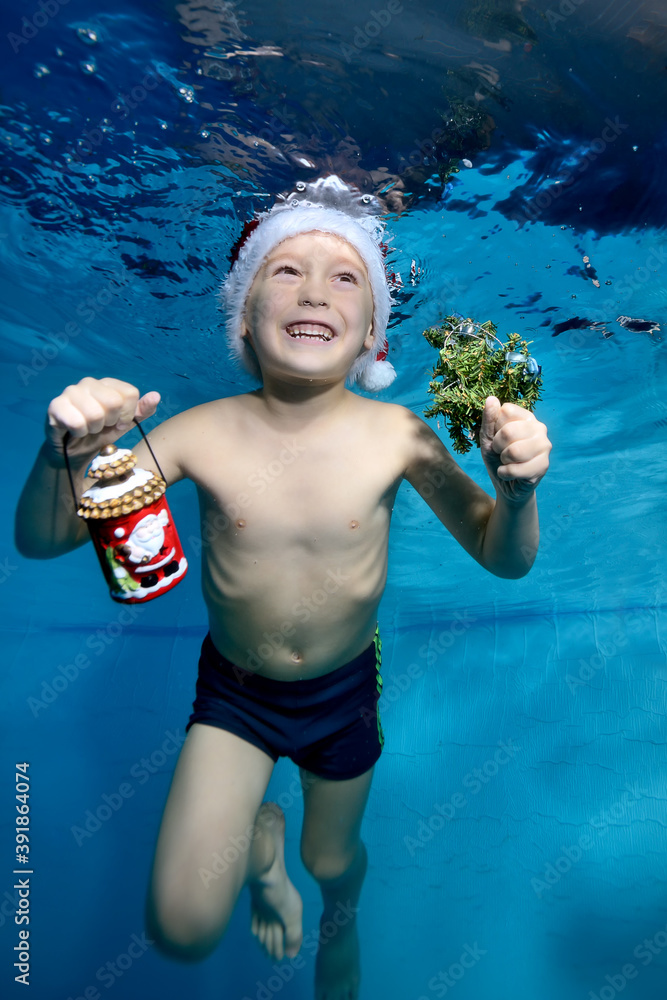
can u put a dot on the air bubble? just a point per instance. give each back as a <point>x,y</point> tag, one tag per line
<point>88,66</point>
<point>88,35</point>
<point>41,70</point>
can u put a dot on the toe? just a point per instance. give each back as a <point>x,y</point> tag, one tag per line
<point>293,941</point>
<point>268,940</point>
<point>276,942</point>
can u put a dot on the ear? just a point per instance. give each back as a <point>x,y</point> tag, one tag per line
<point>370,337</point>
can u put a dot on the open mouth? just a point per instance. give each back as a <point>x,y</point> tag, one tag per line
<point>310,331</point>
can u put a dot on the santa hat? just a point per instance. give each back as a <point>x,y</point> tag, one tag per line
<point>327,205</point>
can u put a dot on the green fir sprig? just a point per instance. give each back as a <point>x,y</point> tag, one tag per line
<point>473,365</point>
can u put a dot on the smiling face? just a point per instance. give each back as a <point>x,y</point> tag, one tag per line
<point>309,312</point>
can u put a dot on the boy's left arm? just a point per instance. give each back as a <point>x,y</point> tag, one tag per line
<point>502,535</point>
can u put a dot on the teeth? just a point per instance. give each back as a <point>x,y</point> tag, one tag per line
<point>311,331</point>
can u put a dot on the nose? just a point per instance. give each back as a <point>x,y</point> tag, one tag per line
<point>312,291</point>
<point>309,302</point>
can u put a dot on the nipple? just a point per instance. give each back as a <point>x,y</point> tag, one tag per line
<point>354,524</point>
<point>240,523</point>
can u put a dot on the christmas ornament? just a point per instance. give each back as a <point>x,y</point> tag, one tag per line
<point>473,365</point>
<point>131,526</point>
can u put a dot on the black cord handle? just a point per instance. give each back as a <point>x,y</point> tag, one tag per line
<point>69,471</point>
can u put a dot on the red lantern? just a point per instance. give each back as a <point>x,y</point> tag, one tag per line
<point>132,528</point>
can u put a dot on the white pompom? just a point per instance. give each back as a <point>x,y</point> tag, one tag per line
<point>379,375</point>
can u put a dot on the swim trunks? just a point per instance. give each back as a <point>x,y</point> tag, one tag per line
<point>329,725</point>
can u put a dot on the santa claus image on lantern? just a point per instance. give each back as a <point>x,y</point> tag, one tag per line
<point>131,527</point>
<point>145,561</point>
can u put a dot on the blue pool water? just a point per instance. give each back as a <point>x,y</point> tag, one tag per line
<point>536,871</point>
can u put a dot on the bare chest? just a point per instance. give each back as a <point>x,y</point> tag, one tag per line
<point>298,492</point>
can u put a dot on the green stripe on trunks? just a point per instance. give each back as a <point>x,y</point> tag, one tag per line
<point>378,663</point>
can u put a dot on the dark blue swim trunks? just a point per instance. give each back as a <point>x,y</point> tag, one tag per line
<point>329,725</point>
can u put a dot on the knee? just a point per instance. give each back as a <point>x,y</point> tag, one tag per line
<point>179,935</point>
<point>326,866</point>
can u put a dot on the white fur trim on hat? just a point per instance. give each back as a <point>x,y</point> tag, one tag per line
<point>356,225</point>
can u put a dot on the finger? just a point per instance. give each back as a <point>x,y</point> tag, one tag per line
<point>118,406</point>
<point>147,405</point>
<point>63,416</point>
<point>489,417</point>
<point>532,470</point>
<point>101,406</point>
<point>515,431</point>
<point>121,398</point>
<point>78,413</point>
<point>94,414</point>
<point>511,413</point>
<point>124,388</point>
<point>524,451</point>
<point>97,389</point>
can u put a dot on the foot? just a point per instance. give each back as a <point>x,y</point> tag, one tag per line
<point>276,905</point>
<point>337,966</point>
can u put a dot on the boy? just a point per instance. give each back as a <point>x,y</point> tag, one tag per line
<point>301,563</point>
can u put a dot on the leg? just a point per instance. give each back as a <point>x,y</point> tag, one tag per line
<point>333,852</point>
<point>214,837</point>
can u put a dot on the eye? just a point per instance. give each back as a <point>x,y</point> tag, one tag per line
<point>348,274</point>
<point>284,267</point>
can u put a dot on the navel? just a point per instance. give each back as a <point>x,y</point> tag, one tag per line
<point>297,657</point>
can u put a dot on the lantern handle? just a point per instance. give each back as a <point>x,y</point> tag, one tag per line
<point>69,471</point>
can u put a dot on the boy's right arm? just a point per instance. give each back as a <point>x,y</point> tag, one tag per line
<point>95,412</point>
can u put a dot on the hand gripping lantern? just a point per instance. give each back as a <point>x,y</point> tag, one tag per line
<point>131,525</point>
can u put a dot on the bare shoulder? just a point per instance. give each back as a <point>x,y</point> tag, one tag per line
<point>402,432</point>
<point>385,413</point>
<point>204,417</point>
<point>420,451</point>
<point>401,420</point>
<point>179,440</point>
